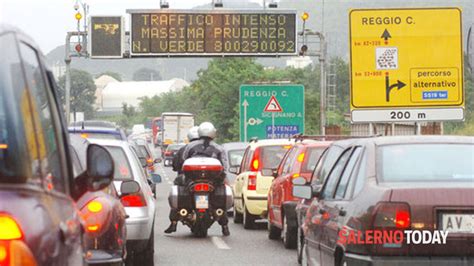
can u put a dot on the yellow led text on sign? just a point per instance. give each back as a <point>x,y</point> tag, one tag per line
<point>406,58</point>
<point>161,33</point>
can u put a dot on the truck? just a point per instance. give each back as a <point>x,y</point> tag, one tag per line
<point>175,127</point>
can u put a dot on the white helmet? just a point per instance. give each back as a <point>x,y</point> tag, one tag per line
<point>193,133</point>
<point>207,129</point>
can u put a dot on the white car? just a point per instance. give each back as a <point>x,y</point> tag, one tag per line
<point>140,207</point>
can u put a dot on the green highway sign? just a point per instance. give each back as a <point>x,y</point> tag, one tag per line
<point>271,111</point>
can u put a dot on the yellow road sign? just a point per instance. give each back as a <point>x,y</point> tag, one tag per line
<point>406,59</point>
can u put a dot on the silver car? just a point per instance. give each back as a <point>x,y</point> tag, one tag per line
<point>140,206</point>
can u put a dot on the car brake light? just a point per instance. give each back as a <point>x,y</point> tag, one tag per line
<point>9,228</point>
<point>394,215</point>
<point>255,165</point>
<point>295,175</point>
<point>300,157</point>
<point>15,253</point>
<point>84,135</point>
<point>135,200</point>
<point>93,228</point>
<point>252,182</point>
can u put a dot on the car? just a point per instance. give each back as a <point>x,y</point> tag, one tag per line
<point>234,152</point>
<point>155,127</point>
<point>299,161</point>
<point>97,131</point>
<point>392,185</point>
<point>147,160</point>
<point>93,123</point>
<point>105,234</point>
<point>255,177</point>
<point>169,153</point>
<point>139,206</point>
<point>39,224</point>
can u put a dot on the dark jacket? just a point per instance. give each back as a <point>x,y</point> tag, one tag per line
<point>205,147</point>
<point>178,160</point>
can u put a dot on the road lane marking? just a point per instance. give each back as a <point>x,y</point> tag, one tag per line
<point>170,183</point>
<point>219,243</point>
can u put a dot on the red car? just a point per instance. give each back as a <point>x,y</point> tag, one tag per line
<point>299,161</point>
<point>155,127</point>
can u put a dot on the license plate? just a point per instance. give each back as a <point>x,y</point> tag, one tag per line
<point>202,202</point>
<point>458,223</point>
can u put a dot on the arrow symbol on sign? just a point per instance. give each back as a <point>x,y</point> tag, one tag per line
<point>245,104</point>
<point>386,35</point>
<point>389,87</point>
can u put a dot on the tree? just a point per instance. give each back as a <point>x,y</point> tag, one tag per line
<point>114,75</point>
<point>82,96</point>
<point>146,74</point>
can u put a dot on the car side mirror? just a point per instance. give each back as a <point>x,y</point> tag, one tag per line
<point>303,192</point>
<point>143,162</point>
<point>234,170</point>
<point>158,160</point>
<point>267,172</point>
<point>156,178</point>
<point>100,168</point>
<point>129,187</point>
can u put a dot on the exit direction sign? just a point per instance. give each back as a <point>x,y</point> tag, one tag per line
<point>271,111</point>
<point>406,65</point>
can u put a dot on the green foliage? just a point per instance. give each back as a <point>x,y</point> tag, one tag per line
<point>114,75</point>
<point>146,74</point>
<point>82,92</point>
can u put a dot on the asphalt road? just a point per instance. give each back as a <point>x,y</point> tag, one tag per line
<point>242,247</point>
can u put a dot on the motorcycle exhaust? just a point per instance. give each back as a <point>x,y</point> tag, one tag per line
<point>183,212</point>
<point>220,212</point>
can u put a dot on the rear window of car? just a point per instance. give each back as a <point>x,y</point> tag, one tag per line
<point>144,150</point>
<point>426,162</point>
<point>271,156</point>
<point>235,157</point>
<point>312,156</point>
<point>122,169</point>
<point>96,135</point>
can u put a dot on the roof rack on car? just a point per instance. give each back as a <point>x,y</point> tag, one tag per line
<point>301,137</point>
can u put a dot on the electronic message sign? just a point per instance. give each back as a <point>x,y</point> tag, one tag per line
<point>106,35</point>
<point>210,33</point>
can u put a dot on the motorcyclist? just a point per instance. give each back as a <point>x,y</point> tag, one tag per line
<point>206,147</point>
<point>178,161</point>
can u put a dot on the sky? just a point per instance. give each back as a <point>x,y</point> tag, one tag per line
<point>47,21</point>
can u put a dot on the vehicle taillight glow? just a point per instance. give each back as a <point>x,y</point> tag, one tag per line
<point>201,187</point>
<point>300,157</point>
<point>295,175</point>
<point>255,165</point>
<point>84,135</point>
<point>9,228</point>
<point>168,152</point>
<point>94,206</point>
<point>135,200</point>
<point>93,228</point>
<point>392,215</point>
<point>149,160</point>
<point>15,253</point>
<point>252,182</point>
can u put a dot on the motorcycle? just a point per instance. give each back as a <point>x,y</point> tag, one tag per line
<point>205,198</point>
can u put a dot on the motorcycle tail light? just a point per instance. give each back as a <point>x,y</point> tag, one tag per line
<point>96,215</point>
<point>252,182</point>
<point>201,187</point>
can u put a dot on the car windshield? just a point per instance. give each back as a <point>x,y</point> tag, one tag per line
<point>427,162</point>
<point>312,156</point>
<point>272,155</point>
<point>122,170</point>
<point>235,157</point>
<point>98,135</point>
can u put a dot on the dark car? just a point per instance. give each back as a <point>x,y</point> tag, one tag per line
<point>299,161</point>
<point>105,233</point>
<point>235,153</point>
<point>97,130</point>
<point>380,187</point>
<point>169,153</point>
<point>39,221</point>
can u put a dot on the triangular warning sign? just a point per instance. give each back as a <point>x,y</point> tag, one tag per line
<point>273,106</point>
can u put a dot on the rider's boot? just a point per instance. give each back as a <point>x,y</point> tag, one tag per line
<point>172,227</point>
